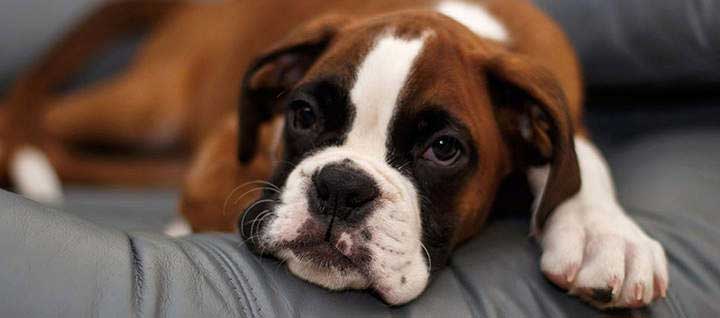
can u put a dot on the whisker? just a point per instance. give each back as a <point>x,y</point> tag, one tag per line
<point>242,223</point>
<point>259,202</point>
<point>227,199</point>
<point>259,217</point>
<point>262,215</point>
<point>242,220</point>
<point>232,193</point>
<point>428,256</point>
<point>254,190</point>
<point>262,246</point>
<point>267,183</point>
<point>284,161</point>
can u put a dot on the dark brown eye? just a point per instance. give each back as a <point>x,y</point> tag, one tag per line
<point>304,117</point>
<point>445,150</point>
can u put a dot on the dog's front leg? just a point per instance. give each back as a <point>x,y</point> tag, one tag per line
<point>593,249</point>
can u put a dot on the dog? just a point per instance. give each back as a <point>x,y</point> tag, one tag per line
<point>376,137</point>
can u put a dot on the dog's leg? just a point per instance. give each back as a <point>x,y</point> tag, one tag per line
<point>131,110</point>
<point>596,251</point>
<point>22,162</point>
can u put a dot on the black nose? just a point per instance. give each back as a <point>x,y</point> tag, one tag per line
<point>343,191</point>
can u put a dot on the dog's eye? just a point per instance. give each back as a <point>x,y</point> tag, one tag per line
<point>304,117</point>
<point>444,150</point>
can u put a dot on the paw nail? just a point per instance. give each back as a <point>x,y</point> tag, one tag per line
<point>571,274</point>
<point>615,285</point>
<point>663,289</point>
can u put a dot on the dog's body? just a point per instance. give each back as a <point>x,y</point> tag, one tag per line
<point>388,130</point>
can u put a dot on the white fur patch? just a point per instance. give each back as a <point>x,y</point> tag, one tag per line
<point>177,227</point>
<point>33,175</point>
<point>329,278</point>
<point>292,212</point>
<point>397,269</point>
<point>589,242</point>
<point>380,80</point>
<point>537,178</point>
<point>476,18</point>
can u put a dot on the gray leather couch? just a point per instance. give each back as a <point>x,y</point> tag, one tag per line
<point>653,70</point>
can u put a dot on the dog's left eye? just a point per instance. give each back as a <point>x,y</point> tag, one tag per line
<point>444,150</point>
<point>303,114</point>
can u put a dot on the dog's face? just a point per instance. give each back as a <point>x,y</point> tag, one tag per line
<point>393,148</point>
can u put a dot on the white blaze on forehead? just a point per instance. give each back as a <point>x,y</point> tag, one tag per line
<point>379,82</point>
<point>476,18</point>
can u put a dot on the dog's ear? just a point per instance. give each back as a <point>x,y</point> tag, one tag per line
<point>532,114</point>
<point>277,71</point>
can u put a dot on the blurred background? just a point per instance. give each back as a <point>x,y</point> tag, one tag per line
<point>652,71</point>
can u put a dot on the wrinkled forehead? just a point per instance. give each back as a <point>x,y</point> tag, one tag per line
<point>355,42</point>
<point>380,82</point>
<point>373,66</point>
<point>401,64</point>
<point>405,63</point>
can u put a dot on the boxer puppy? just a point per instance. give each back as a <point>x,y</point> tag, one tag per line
<point>387,132</point>
<point>399,131</point>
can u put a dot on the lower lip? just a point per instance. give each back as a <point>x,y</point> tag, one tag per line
<point>323,255</point>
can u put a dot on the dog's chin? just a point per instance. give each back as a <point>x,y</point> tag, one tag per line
<point>347,264</point>
<point>335,273</point>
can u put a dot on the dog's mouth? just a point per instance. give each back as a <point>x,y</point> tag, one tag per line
<point>323,246</point>
<point>329,247</point>
<point>323,255</point>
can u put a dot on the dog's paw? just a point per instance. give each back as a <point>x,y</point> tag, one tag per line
<point>595,251</point>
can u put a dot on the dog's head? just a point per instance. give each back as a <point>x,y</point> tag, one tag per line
<point>398,132</point>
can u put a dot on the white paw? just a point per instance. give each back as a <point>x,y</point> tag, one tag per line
<point>595,251</point>
<point>177,227</point>
<point>34,176</point>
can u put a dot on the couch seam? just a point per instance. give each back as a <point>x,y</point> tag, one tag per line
<point>465,289</point>
<point>184,244</point>
<point>138,277</point>
<point>237,287</point>
<point>257,309</point>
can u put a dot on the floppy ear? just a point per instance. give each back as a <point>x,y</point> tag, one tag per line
<point>274,73</point>
<point>532,113</point>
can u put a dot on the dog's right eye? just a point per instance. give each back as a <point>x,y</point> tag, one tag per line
<point>444,150</point>
<point>303,115</point>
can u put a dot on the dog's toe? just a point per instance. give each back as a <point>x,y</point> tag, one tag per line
<point>638,288</point>
<point>603,268</point>
<point>563,255</point>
